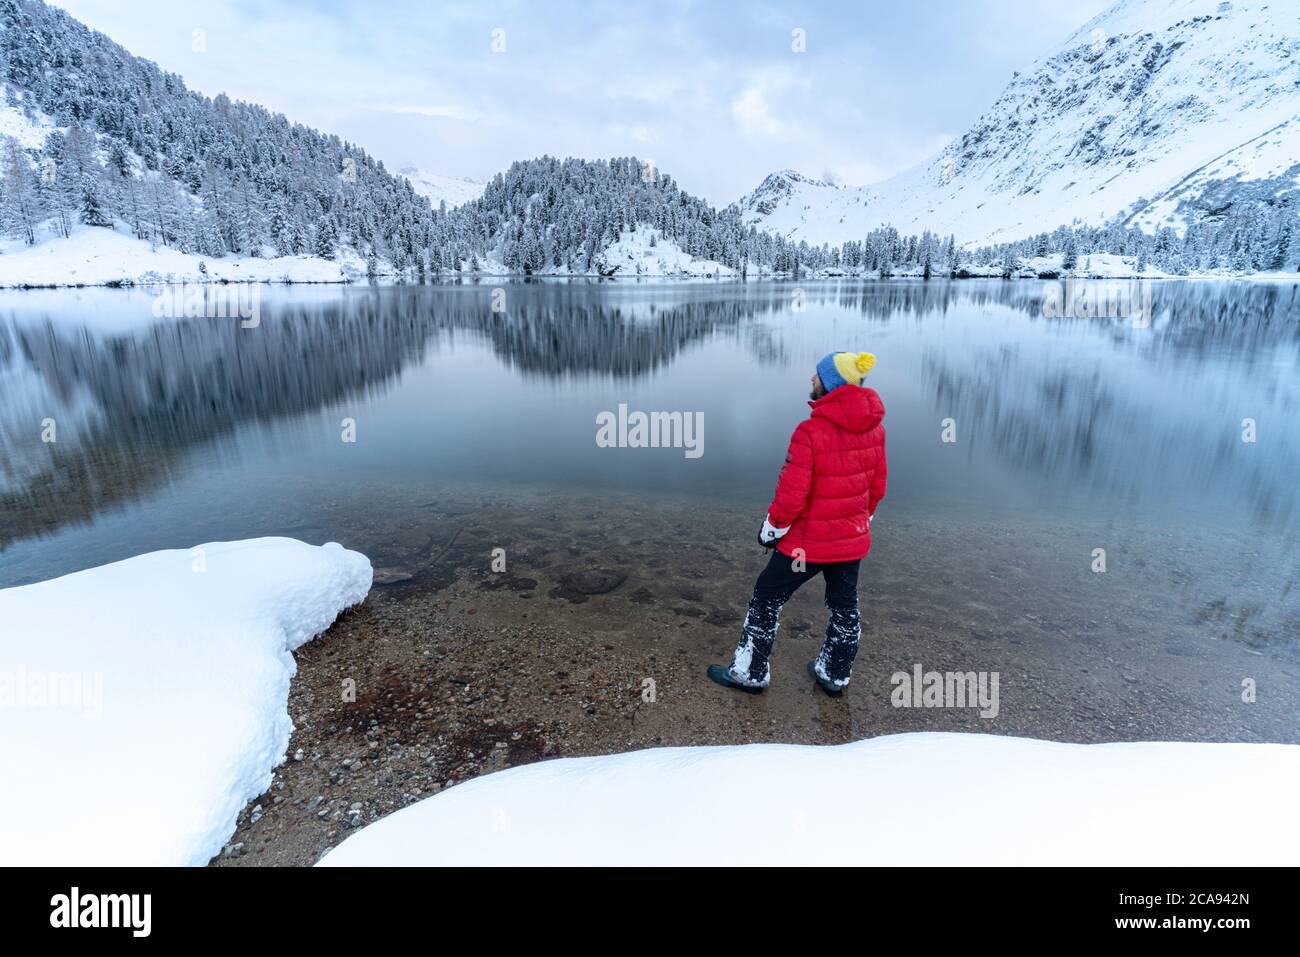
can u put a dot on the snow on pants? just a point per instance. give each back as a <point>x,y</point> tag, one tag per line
<point>778,581</point>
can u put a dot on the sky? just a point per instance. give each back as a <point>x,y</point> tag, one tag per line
<point>715,94</point>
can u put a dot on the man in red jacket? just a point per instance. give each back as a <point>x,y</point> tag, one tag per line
<point>819,523</point>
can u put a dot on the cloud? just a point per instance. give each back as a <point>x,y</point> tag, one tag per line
<point>767,94</point>
<point>635,133</point>
<point>447,111</point>
<point>754,115</point>
<point>713,92</point>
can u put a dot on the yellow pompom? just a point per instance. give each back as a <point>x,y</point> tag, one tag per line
<point>864,362</point>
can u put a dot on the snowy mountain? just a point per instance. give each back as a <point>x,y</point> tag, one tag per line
<point>1156,112</point>
<point>786,189</point>
<point>438,189</point>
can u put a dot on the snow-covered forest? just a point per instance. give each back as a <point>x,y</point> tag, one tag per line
<point>1255,237</point>
<point>208,176</point>
<point>129,143</point>
<point>553,215</point>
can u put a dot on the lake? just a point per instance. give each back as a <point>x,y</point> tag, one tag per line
<point>1017,436</point>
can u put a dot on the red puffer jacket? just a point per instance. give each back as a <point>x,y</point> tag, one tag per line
<point>833,478</point>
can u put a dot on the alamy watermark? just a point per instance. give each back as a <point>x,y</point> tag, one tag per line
<point>1099,299</point>
<point>651,430</point>
<point>946,689</point>
<point>24,689</point>
<point>193,300</point>
<point>76,909</point>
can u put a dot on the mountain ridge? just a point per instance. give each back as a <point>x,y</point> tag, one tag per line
<point>1137,107</point>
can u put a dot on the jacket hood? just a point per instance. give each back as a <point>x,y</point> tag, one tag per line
<point>851,407</point>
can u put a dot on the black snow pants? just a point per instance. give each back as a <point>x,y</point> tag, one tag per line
<point>778,581</point>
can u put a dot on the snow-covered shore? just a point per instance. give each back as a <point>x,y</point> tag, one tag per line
<point>109,257</point>
<point>904,799</point>
<point>1099,266</point>
<point>143,703</point>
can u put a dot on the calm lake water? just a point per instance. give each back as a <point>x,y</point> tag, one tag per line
<point>173,432</point>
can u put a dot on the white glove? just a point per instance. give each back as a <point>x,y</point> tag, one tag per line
<point>768,535</point>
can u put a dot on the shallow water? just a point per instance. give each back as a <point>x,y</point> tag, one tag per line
<point>1071,434</point>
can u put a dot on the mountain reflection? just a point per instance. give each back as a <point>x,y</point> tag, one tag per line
<point>1099,415</point>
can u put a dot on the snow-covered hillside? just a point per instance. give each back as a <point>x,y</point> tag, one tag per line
<point>903,799</point>
<point>22,121</point>
<point>96,256</point>
<point>786,190</point>
<point>204,176</point>
<point>646,252</point>
<point>452,190</point>
<point>1151,111</point>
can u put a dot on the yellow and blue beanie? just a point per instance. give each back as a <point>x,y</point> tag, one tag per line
<point>844,368</point>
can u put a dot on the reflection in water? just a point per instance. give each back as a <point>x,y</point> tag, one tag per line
<point>1070,409</point>
<point>126,406</point>
<point>1049,421</point>
<point>1139,410</point>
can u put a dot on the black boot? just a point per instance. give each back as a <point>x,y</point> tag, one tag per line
<point>843,634</point>
<point>723,676</point>
<point>829,687</point>
<point>757,634</point>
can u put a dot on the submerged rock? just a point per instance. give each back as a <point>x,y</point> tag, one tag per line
<point>391,576</point>
<point>578,586</point>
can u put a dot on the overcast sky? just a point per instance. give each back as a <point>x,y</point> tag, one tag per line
<point>712,92</point>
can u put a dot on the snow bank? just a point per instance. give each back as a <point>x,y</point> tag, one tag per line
<point>100,257</point>
<point>901,799</point>
<point>144,702</point>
